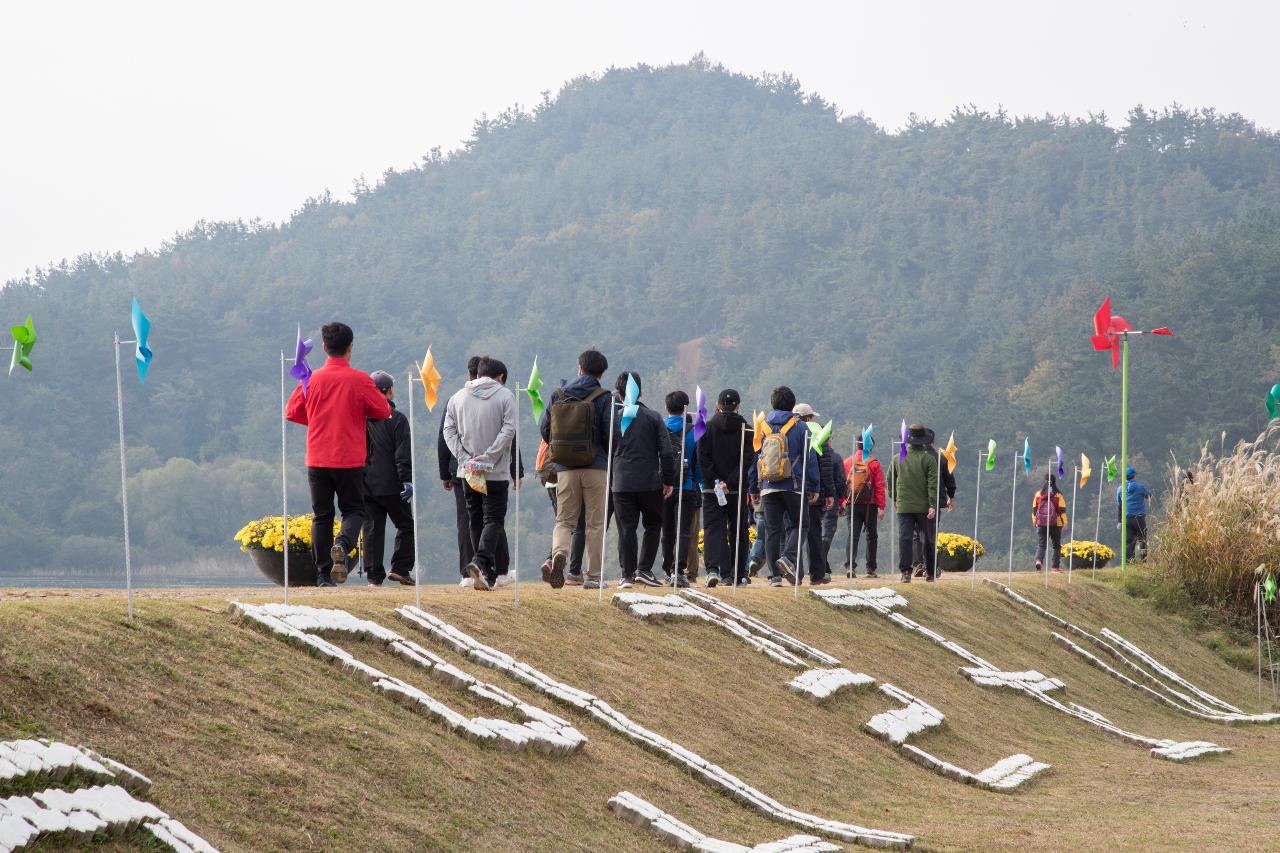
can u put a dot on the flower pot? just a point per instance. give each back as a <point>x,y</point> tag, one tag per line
<point>1089,562</point>
<point>960,562</point>
<point>302,567</point>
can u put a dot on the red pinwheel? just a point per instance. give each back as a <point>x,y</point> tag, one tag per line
<point>1107,330</point>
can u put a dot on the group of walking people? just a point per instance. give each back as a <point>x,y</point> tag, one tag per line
<point>606,457</point>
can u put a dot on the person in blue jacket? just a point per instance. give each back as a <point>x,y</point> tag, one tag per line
<point>1131,500</point>
<point>782,498</point>
<point>676,535</point>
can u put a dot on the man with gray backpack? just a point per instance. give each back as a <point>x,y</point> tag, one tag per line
<point>785,469</point>
<point>576,427</point>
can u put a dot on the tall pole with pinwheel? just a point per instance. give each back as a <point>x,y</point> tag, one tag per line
<point>1112,332</point>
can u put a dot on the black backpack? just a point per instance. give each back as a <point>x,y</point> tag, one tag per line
<point>573,432</point>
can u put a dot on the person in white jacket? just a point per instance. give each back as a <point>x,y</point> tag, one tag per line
<point>479,428</point>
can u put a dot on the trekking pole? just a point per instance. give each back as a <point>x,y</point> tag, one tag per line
<point>977,498</point>
<point>737,527</point>
<point>679,525</point>
<point>1071,551</point>
<point>1013,509</point>
<point>604,528</point>
<point>804,512</point>
<point>413,499</point>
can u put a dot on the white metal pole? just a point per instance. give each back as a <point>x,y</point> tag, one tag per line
<point>608,477</point>
<point>1048,538</point>
<point>937,516</point>
<point>1013,509</point>
<point>853,462</point>
<point>1071,552</point>
<point>1097,521</point>
<point>804,512</point>
<point>413,501</point>
<point>893,525</point>
<point>284,479</point>
<point>977,502</point>
<point>515,460</point>
<point>675,568</point>
<point>737,527</point>
<point>124,490</point>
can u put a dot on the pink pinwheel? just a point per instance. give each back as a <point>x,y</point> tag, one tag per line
<point>1107,330</point>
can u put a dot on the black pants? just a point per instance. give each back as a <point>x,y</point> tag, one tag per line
<point>675,548</point>
<point>815,561</point>
<point>909,523</point>
<point>724,533</point>
<point>1137,525</point>
<point>465,549</point>
<point>347,484</point>
<point>1055,533</point>
<point>632,509</point>
<point>779,509</point>
<point>377,509</point>
<point>863,517</point>
<point>488,515</point>
<point>578,545</point>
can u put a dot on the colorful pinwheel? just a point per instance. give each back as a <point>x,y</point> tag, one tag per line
<point>535,399</point>
<point>949,453</point>
<point>141,333</point>
<point>1107,330</point>
<point>430,380</point>
<point>24,340</point>
<point>1062,472</point>
<point>1273,401</point>
<point>991,454</point>
<point>700,418</point>
<point>902,449</point>
<point>301,371</point>
<point>868,440</point>
<point>1086,470</point>
<point>1026,457</point>
<point>820,435</point>
<point>630,403</point>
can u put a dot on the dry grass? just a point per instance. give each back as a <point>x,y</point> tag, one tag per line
<point>261,747</point>
<point>1216,532</point>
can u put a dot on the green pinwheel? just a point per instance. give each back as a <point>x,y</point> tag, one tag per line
<point>1269,589</point>
<point>1273,397</point>
<point>24,341</point>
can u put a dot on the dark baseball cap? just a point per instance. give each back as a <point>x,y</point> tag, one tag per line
<point>729,397</point>
<point>382,379</point>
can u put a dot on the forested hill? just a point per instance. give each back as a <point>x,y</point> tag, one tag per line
<point>946,273</point>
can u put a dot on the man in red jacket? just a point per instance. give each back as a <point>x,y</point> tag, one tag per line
<point>866,507</point>
<point>333,407</point>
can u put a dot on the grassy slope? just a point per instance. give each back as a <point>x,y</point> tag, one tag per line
<point>260,747</point>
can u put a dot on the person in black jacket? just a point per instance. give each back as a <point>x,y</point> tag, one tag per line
<point>644,473</point>
<point>831,517</point>
<point>725,455</point>
<point>947,482</point>
<point>388,472</point>
<point>819,572</point>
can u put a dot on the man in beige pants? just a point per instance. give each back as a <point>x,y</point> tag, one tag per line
<point>576,426</point>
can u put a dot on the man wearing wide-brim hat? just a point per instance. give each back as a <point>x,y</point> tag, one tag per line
<point>914,490</point>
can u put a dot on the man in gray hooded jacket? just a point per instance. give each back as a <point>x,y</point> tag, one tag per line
<point>479,428</point>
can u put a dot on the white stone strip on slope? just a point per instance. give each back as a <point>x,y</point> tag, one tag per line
<point>1030,680</point>
<point>705,770</point>
<point>1175,699</point>
<point>728,611</point>
<point>820,685</point>
<point>882,600</point>
<point>642,813</point>
<point>899,724</point>
<point>674,607</point>
<point>1188,750</point>
<point>1192,711</point>
<point>541,730</point>
<point>80,814</point>
<point>1166,672</point>
<point>45,760</point>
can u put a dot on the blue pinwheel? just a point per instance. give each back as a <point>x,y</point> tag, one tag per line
<point>1026,457</point>
<point>141,332</point>
<point>868,441</point>
<point>630,403</point>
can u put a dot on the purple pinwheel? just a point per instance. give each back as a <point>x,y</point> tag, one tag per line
<point>700,420</point>
<point>902,450</point>
<point>301,371</point>
<point>1061,471</point>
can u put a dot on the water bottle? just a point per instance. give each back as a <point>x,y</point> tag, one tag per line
<point>720,498</point>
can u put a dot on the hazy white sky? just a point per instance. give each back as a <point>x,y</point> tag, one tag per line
<point>124,122</point>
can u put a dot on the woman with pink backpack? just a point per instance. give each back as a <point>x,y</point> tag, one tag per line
<point>1049,515</point>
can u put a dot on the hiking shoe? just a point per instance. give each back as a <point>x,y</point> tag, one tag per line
<point>647,579</point>
<point>1039,566</point>
<point>626,583</point>
<point>338,554</point>
<point>906,577</point>
<point>553,569</point>
<point>324,582</point>
<point>788,571</point>
<point>820,580</point>
<point>405,579</point>
<point>919,571</point>
<point>753,567</point>
<point>775,581</point>
<point>851,573</point>
<point>713,578</point>
<point>466,581</point>
<point>871,574</point>
<point>929,578</point>
<point>573,580</point>
<point>479,578</point>
<point>503,581</point>
<point>680,582</point>
<point>1057,570</point>
<point>590,584</point>
<point>374,583</point>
